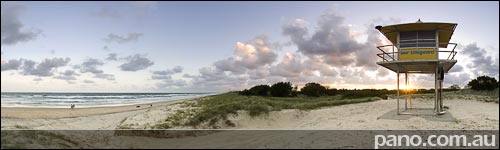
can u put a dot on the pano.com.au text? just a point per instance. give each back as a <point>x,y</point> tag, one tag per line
<point>395,141</point>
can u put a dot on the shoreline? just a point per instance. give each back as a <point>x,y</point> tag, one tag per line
<point>57,113</point>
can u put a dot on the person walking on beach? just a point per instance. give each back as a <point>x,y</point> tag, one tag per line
<point>72,106</point>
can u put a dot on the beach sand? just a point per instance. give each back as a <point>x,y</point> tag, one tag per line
<point>91,118</point>
<point>466,114</point>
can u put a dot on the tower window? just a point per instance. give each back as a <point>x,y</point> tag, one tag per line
<point>417,39</point>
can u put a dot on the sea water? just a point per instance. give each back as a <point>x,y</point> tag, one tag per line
<point>62,100</point>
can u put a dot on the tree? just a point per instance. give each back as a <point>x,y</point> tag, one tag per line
<point>261,90</point>
<point>483,83</point>
<point>313,89</point>
<point>245,92</point>
<point>281,89</point>
<point>331,92</point>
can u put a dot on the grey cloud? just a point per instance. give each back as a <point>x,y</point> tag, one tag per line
<point>212,79</point>
<point>482,63</point>
<point>11,31</point>
<point>290,66</point>
<point>11,65</point>
<point>166,78</point>
<point>457,78</point>
<point>136,62</point>
<point>456,68</point>
<point>88,81</point>
<point>91,65</point>
<point>259,73</point>
<point>45,68</point>
<point>331,40</point>
<point>176,69</point>
<point>161,77</point>
<point>230,65</point>
<point>170,83</point>
<point>109,77</point>
<point>382,72</point>
<point>188,76</point>
<point>166,74</point>
<point>68,75</point>
<point>112,57</point>
<point>130,37</point>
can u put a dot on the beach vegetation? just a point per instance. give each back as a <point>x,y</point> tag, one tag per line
<point>313,89</point>
<point>483,83</point>
<point>281,89</point>
<point>259,90</point>
<point>219,108</point>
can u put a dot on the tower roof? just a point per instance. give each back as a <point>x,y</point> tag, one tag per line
<point>445,30</point>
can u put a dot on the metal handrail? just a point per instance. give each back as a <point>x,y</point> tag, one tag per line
<point>391,55</point>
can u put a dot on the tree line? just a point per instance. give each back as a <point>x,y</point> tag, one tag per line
<point>286,89</point>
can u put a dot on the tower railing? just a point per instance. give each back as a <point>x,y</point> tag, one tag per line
<point>392,51</point>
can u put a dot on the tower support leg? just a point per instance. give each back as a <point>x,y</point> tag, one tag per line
<point>436,96</point>
<point>406,91</point>
<point>397,109</point>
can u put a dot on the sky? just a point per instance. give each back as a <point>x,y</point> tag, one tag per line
<point>225,46</point>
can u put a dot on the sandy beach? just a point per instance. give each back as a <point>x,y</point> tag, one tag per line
<point>77,119</point>
<point>465,114</point>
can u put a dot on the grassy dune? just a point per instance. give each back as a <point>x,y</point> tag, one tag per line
<point>216,109</point>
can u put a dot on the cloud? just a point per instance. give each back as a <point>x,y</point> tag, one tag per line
<point>251,55</point>
<point>290,66</point>
<point>171,83</point>
<point>130,37</point>
<point>456,68</point>
<point>11,31</point>
<point>176,69</point>
<point>135,63</point>
<point>45,68</point>
<point>11,65</point>
<point>166,78</point>
<point>109,77</point>
<point>69,76</point>
<point>91,65</point>
<point>482,63</point>
<point>334,42</point>
<point>332,39</point>
<point>88,81</point>
<point>457,78</point>
<point>112,57</point>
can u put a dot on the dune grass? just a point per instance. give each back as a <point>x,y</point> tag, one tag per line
<point>216,109</point>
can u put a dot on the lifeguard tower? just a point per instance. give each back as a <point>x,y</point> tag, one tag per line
<point>419,48</point>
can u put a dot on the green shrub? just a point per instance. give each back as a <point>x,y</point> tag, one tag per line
<point>281,89</point>
<point>313,89</point>
<point>483,83</point>
<point>245,92</point>
<point>260,90</point>
<point>331,92</point>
